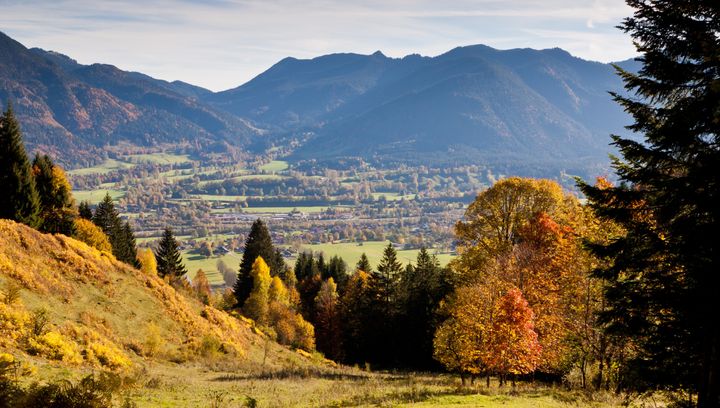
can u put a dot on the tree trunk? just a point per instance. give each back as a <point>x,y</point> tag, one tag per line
<point>708,387</point>
<point>487,380</point>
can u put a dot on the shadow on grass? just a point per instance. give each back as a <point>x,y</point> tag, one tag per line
<point>295,374</point>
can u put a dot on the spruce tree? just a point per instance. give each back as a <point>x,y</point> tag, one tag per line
<point>363,264</point>
<point>84,210</point>
<point>106,216</point>
<point>388,273</point>
<point>57,206</point>
<point>128,250</point>
<point>662,285</point>
<point>258,243</point>
<point>119,233</point>
<point>19,200</point>
<point>167,255</point>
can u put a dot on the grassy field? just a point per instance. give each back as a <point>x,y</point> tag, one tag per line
<point>351,252</point>
<point>159,158</point>
<point>193,262</point>
<point>275,165</point>
<point>225,198</point>
<point>284,210</point>
<point>393,196</point>
<point>95,196</point>
<point>181,386</point>
<point>106,167</point>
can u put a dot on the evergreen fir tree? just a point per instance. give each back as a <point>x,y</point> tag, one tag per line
<point>119,233</point>
<point>128,249</point>
<point>420,290</point>
<point>388,272</point>
<point>337,270</point>
<point>364,264</point>
<point>84,210</point>
<point>167,255</point>
<point>106,216</point>
<point>662,286</point>
<point>19,200</point>
<point>257,244</point>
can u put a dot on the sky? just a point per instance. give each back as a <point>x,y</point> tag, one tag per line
<point>220,44</point>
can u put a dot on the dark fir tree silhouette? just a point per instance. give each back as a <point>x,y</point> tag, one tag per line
<point>106,216</point>
<point>662,282</point>
<point>19,200</point>
<point>420,290</point>
<point>57,206</point>
<point>258,243</point>
<point>128,245</point>
<point>84,210</point>
<point>388,272</point>
<point>167,255</point>
<point>119,234</point>
<point>363,264</point>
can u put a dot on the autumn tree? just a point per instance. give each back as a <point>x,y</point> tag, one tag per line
<point>147,261</point>
<point>512,346</point>
<point>19,201</point>
<point>57,206</point>
<point>462,340</point>
<point>201,286</point>
<point>89,233</point>
<point>491,222</point>
<point>167,254</point>
<point>327,320</point>
<point>524,233</point>
<point>256,305</point>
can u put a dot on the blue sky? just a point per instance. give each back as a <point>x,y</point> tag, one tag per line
<point>220,44</point>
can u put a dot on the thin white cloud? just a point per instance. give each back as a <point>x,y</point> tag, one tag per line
<point>222,43</point>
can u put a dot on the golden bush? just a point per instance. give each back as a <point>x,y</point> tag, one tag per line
<point>55,346</point>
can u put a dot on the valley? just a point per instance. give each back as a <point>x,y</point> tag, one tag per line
<point>345,212</point>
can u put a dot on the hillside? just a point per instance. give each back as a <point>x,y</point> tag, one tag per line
<point>102,314</point>
<point>74,112</point>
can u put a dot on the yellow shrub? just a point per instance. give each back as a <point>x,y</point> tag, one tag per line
<point>106,355</point>
<point>14,322</point>
<point>153,340</point>
<point>55,346</point>
<point>91,234</point>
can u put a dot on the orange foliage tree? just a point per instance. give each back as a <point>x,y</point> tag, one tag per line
<point>512,346</point>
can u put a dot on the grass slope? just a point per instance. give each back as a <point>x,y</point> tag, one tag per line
<point>94,302</point>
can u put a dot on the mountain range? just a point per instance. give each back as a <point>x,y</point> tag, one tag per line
<point>522,110</point>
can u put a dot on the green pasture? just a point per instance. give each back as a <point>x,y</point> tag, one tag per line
<point>159,158</point>
<point>107,166</point>
<point>275,166</point>
<point>95,196</point>
<point>351,251</point>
